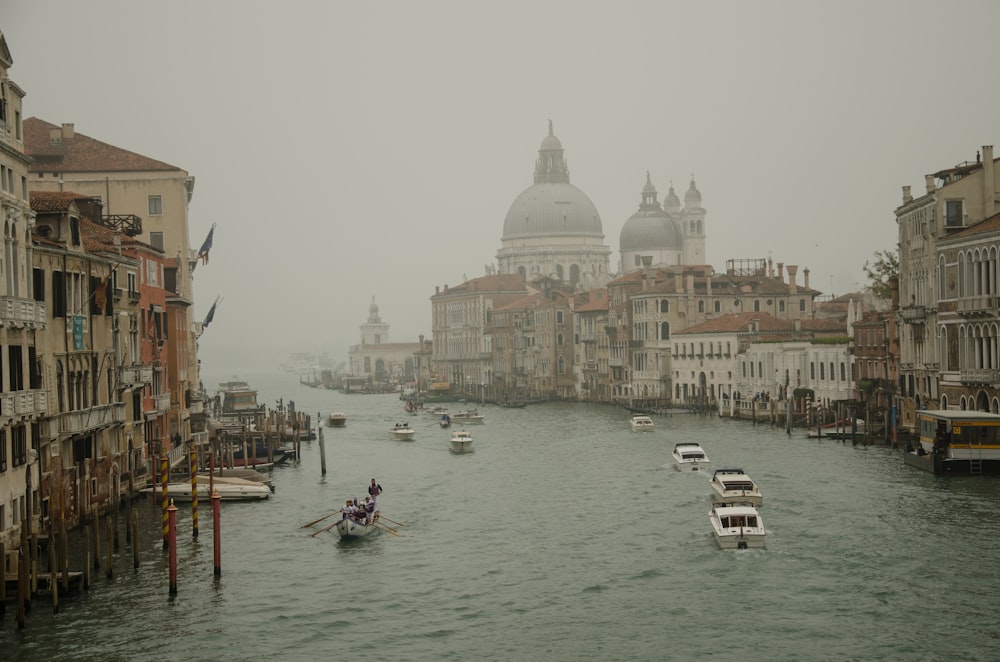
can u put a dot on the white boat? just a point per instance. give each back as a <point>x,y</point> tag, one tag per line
<point>445,421</point>
<point>437,411</point>
<point>641,423</point>
<point>737,527</point>
<point>468,416</point>
<point>690,457</point>
<point>229,489</point>
<point>461,441</point>
<point>336,420</point>
<point>735,487</point>
<point>348,528</point>
<point>402,431</point>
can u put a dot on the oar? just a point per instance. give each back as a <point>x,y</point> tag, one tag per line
<point>323,530</point>
<point>317,521</point>
<point>391,520</point>
<point>388,530</point>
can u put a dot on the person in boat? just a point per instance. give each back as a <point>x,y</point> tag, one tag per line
<point>369,510</point>
<point>348,510</point>
<point>374,489</point>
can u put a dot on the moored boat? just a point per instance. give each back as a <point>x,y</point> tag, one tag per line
<point>690,457</point>
<point>734,486</point>
<point>956,442</point>
<point>229,489</point>
<point>336,420</point>
<point>737,527</point>
<point>641,423</point>
<point>461,441</point>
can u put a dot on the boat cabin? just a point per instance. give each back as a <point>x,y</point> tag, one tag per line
<point>734,521</point>
<point>957,442</point>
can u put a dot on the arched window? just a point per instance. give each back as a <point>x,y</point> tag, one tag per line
<point>781,306</point>
<point>701,306</point>
<point>574,275</point>
<point>718,306</point>
<point>664,306</point>
<point>522,273</point>
<point>562,365</point>
<point>664,331</point>
<point>756,305</point>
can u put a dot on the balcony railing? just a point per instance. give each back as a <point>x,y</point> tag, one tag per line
<point>913,314</point>
<point>980,376</point>
<point>980,306</point>
<point>14,309</point>
<point>162,402</point>
<point>132,375</point>
<point>80,422</point>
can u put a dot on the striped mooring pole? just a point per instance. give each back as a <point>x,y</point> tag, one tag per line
<point>194,492</point>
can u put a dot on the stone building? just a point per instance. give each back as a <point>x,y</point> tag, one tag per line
<point>947,287</point>
<point>380,362</point>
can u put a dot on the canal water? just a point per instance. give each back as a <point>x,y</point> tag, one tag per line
<point>564,536</point>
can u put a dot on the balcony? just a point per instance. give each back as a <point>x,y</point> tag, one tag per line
<point>22,311</point>
<point>982,306</point>
<point>71,423</point>
<point>978,377</point>
<point>134,375</point>
<point>161,403</point>
<point>913,314</point>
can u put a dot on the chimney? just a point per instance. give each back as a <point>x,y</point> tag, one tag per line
<point>67,131</point>
<point>708,284</point>
<point>989,185</point>
<point>929,183</point>
<point>906,195</point>
<point>792,287</point>
<point>690,283</point>
<point>437,289</point>
<point>781,271</point>
<point>805,278</point>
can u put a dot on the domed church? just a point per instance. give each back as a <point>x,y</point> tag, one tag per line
<point>664,236</point>
<point>553,229</point>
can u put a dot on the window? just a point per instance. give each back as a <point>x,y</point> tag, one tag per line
<point>155,205</point>
<point>156,240</point>
<point>718,306</point>
<point>559,317</point>
<point>781,306</point>
<point>953,213</point>
<point>3,458</point>
<point>802,305</point>
<point>19,445</point>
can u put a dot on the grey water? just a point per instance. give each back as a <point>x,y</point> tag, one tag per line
<point>563,536</point>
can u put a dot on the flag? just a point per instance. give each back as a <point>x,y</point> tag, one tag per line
<point>101,294</point>
<point>211,315</point>
<point>206,246</point>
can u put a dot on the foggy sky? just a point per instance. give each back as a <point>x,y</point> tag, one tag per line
<point>347,150</point>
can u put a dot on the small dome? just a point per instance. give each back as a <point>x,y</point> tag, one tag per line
<point>650,230</point>
<point>692,195</point>
<point>550,142</point>
<point>672,203</point>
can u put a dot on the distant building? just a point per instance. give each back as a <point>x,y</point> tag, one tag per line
<point>379,361</point>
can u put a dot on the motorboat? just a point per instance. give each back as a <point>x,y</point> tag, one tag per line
<point>402,431</point>
<point>690,457</point>
<point>437,411</point>
<point>735,487</point>
<point>641,423</point>
<point>461,441</point>
<point>468,416</point>
<point>411,407</point>
<point>229,489</point>
<point>336,420</point>
<point>445,421</point>
<point>737,527</point>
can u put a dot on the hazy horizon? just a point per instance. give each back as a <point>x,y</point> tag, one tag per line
<point>347,151</point>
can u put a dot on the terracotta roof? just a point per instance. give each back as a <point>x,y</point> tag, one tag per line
<point>987,225</point>
<point>54,201</point>
<point>494,283</point>
<point>81,153</point>
<point>593,301</point>
<point>767,323</point>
